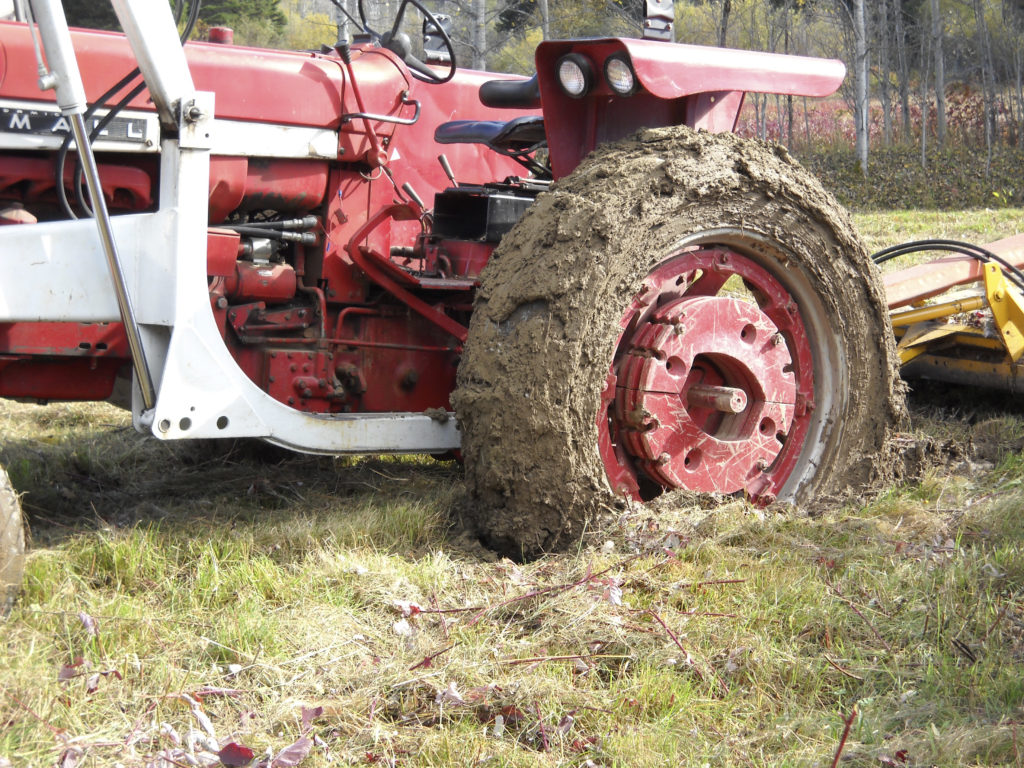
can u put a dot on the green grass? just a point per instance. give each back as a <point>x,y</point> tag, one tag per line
<point>274,582</point>
<point>882,229</point>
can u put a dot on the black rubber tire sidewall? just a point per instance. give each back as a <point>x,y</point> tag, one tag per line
<point>546,319</point>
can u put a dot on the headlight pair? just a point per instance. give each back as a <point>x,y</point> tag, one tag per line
<point>576,75</point>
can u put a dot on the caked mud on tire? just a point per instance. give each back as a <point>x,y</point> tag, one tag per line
<point>568,295</point>
<point>12,544</point>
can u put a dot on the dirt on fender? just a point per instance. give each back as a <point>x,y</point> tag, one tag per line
<point>547,321</point>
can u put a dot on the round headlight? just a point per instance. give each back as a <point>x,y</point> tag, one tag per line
<point>620,75</point>
<point>575,75</point>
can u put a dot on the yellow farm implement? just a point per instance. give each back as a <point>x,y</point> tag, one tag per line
<point>960,318</point>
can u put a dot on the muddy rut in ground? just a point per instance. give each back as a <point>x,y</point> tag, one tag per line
<point>547,318</point>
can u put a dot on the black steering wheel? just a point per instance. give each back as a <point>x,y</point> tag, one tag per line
<point>398,42</point>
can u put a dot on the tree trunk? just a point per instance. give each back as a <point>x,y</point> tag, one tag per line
<point>860,75</point>
<point>923,100</point>
<point>884,68</point>
<point>479,34</point>
<point>545,19</point>
<point>723,27</point>
<point>1018,78</point>
<point>940,74</point>
<point>807,123</point>
<point>988,80</point>
<point>904,71</point>
<point>789,99</point>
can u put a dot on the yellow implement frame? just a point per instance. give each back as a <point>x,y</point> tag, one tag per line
<point>984,348</point>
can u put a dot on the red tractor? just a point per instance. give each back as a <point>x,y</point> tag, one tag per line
<point>581,282</point>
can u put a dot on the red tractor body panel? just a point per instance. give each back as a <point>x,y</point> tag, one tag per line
<point>372,315</point>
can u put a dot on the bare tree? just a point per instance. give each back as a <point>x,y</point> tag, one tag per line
<point>884,69</point>
<point>860,76</point>
<point>923,99</point>
<point>940,72</point>
<point>987,79</point>
<point>723,27</point>
<point>903,68</point>
<point>479,34</point>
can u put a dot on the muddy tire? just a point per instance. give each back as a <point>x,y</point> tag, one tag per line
<point>567,398</point>
<point>12,544</point>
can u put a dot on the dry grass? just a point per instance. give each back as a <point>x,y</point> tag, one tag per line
<point>298,598</point>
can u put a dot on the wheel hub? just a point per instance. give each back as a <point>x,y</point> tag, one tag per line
<point>704,395</point>
<point>712,386</point>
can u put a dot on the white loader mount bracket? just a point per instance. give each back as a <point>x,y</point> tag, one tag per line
<point>158,263</point>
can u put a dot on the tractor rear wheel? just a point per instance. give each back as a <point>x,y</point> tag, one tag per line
<point>685,311</point>
<point>12,544</point>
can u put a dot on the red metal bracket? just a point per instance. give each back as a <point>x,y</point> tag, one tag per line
<point>376,267</point>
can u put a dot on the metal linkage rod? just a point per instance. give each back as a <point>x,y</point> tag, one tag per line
<point>66,80</point>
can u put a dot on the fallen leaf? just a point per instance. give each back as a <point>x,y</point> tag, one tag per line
<point>565,724</point>
<point>449,695</point>
<point>200,716</point>
<point>89,623</point>
<point>293,754</point>
<point>237,755</point>
<point>309,714</point>
<point>512,714</point>
<point>613,594</point>
<point>69,671</point>
<point>93,681</point>
<point>481,692</point>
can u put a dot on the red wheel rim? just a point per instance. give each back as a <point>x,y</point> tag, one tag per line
<point>712,386</point>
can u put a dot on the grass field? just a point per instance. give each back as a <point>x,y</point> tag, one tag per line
<point>181,598</point>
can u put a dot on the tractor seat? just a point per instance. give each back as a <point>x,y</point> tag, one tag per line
<point>512,137</point>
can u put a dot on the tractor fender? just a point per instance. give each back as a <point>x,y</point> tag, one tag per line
<point>698,86</point>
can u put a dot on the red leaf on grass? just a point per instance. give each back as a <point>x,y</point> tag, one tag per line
<point>512,714</point>
<point>69,671</point>
<point>293,754</point>
<point>309,714</point>
<point>236,755</point>
<point>406,608</point>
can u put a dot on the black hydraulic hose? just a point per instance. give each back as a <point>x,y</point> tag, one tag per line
<point>955,246</point>
<point>305,238</point>
<point>193,17</point>
<point>66,144</point>
<point>96,131</point>
<point>306,222</point>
